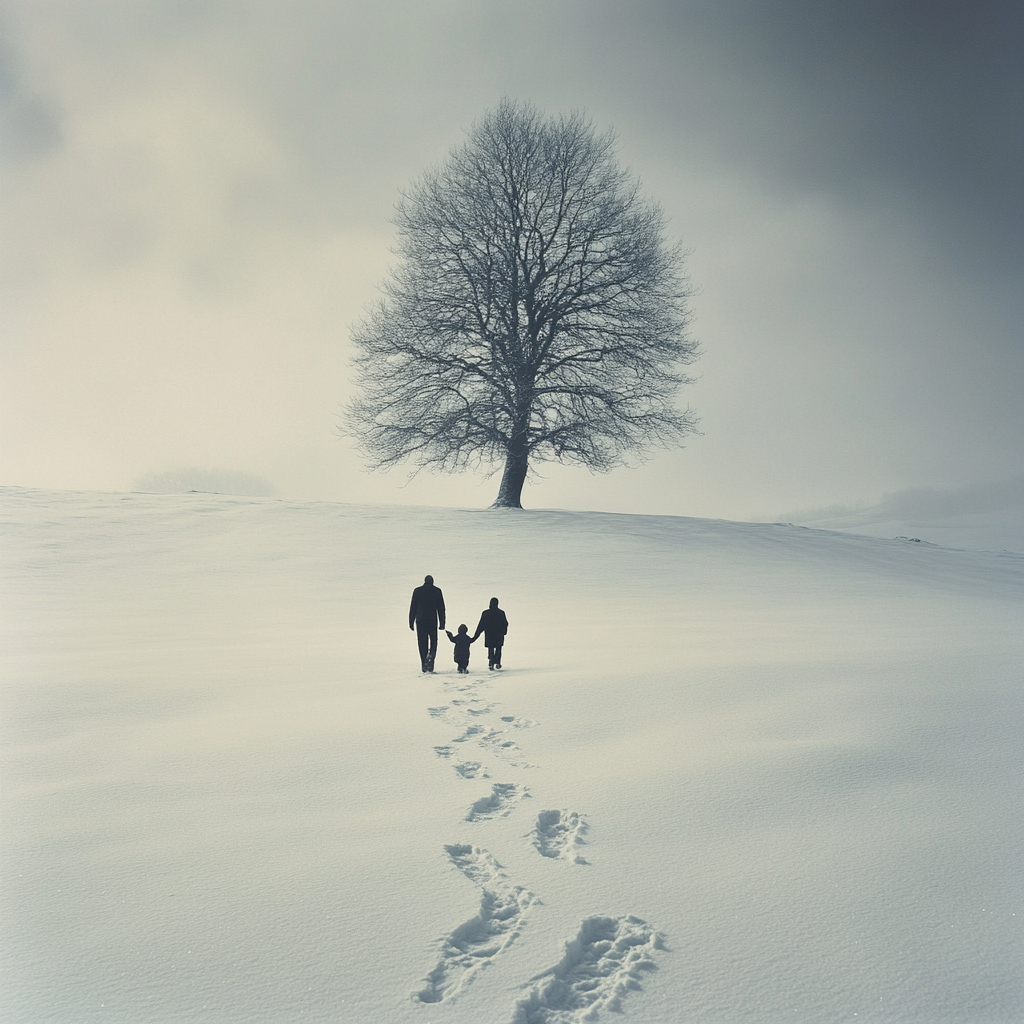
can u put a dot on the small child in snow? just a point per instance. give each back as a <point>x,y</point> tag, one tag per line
<point>462,642</point>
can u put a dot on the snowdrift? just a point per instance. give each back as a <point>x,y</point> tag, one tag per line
<point>729,773</point>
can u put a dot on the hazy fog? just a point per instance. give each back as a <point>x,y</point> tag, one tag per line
<point>196,204</point>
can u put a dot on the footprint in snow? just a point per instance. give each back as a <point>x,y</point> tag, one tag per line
<point>474,944</point>
<point>557,835</point>
<point>601,966</point>
<point>499,803</point>
<point>518,723</point>
<point>475,706</point>
<point>466,685</point>
<point>467,769</point>
<point>495,741</point>
<point>469,733</point>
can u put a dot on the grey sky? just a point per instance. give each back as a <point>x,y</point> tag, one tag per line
<point>196,207</point>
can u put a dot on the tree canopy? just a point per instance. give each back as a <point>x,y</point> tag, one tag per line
<point>535,313</point>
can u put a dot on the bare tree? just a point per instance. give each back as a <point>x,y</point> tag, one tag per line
<point>535,314</point>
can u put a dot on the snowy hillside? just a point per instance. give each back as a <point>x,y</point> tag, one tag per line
<point>729,773</point>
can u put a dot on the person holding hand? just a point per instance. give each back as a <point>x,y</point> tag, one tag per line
<point>494,625</point>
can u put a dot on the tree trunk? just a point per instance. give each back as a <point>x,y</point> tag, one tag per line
<point>511,490</point>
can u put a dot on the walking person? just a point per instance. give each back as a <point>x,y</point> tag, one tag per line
<point>494,626</point>
<point>462,642</point>
<point>426,614</point>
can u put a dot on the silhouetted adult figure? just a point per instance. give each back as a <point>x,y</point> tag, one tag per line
<point>494,626</point>
<point>426,613</point>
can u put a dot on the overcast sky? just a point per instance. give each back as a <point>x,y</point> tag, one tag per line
<point>197,198</point>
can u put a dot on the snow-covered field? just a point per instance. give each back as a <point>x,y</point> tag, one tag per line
<point>749,773</point>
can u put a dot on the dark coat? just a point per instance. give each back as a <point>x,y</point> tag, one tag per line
<point>462,642</point>
<point>494,626</point>
<point>427,606</point>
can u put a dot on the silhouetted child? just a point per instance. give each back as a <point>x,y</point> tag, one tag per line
<point>462,642</point>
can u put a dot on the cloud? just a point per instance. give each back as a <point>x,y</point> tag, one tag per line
<point>914,103</point>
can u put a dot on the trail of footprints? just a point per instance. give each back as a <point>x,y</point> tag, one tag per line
<point>607,958</point>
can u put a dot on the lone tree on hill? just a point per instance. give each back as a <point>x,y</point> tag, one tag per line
<point>536,312</point>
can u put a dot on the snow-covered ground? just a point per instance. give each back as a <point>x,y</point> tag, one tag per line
<point>748,772</point>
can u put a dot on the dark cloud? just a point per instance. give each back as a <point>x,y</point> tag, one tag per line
<point>914,102</point>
